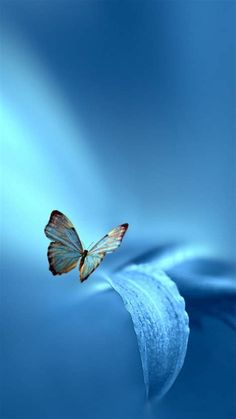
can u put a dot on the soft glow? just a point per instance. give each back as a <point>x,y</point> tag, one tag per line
<point>43,146</point>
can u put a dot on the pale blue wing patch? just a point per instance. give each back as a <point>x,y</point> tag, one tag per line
<point>91,262</point>
<point>61,258</point>
<point>111,241</point>
<point>60,229</point>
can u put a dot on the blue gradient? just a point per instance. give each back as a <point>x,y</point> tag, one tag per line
<point>116,112</point>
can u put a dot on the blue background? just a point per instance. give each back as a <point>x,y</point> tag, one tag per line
<point>112,112</point>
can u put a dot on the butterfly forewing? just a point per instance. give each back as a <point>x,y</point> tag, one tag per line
<point>60,229</point>
<point>111,241</point>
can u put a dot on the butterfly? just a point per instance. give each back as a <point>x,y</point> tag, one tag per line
<point>66,249</point>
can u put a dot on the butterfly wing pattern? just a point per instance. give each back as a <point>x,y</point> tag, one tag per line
<point>61,258</point>
<point>91,262</point>
<point>111,241</point>
<point>60,229</point>
<point>108,244</point>
<point>66,249</point>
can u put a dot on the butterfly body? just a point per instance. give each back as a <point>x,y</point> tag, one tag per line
<point>84,255</point>
<point>82,260</point>
<point>66,249</point>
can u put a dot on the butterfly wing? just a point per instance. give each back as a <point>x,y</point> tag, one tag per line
<point>90,263</point>
<point>66,249</point>
<point>111,241</point>
<point>62,258</point>
<point>107,244</point>
<point>60,229</point>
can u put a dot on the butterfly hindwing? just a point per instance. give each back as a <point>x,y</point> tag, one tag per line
<point>60,229</point>
<point>111,241</point>
<point>90,263</point>
<point>62,258</point>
